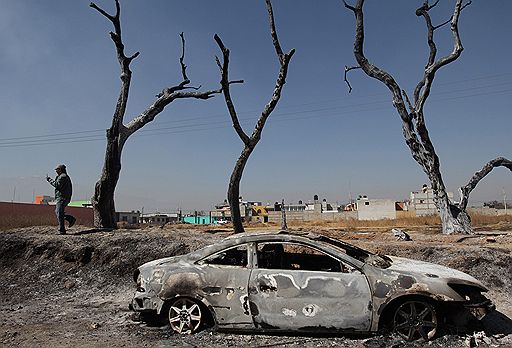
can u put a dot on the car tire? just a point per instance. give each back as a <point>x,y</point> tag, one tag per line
<point>185,315</point>
<point>415,319</point>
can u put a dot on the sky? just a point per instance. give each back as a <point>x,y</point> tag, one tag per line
<point>59,82</point>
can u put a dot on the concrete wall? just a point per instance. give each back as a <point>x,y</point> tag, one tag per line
<point>307,215</point>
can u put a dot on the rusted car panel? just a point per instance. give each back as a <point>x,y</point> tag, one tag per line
<point>278,281</point>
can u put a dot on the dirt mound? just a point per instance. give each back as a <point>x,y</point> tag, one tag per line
<point>37,258</point>
<point>74,289</point>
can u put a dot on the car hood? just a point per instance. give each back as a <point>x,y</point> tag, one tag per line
<point>421,269</point>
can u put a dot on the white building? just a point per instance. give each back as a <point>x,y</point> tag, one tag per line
<point>375,209</point>
<point>423,201</point>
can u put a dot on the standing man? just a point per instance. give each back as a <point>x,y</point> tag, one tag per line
<point>63,192</point>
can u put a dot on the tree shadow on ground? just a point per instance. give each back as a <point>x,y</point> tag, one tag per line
<point>92,230</point>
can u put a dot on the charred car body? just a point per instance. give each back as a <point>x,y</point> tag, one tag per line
<point>306,283</point>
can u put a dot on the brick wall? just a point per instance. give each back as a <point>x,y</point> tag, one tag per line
<point>25,214</point>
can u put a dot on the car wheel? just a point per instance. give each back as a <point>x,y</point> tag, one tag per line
<point>185,315</point>
<point>414,320</point>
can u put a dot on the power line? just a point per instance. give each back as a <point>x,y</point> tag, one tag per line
<point>69,137</point>
<point>297,105</point>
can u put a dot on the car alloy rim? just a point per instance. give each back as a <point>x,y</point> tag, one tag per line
<point>185,316</point>
<point>414,320</point>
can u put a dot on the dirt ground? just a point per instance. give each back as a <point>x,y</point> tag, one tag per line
<point>74,290</point>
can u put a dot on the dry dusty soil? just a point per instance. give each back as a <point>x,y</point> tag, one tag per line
<point>74,290</point>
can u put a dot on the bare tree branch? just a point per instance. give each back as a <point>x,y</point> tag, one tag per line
<point>111,18</point>
<point>159,105</point>
<point>411,107</point>
<point>226,91</point>
<point>442,24</point>
<point>423,89</point>
<point>347,69</point>
<point>352,8</point>
<point>124,63</point>
<point>183,66</point>
<point>417,149</point>
<point>433,5</point>
<point>487,168</point>
<point>273,32</point>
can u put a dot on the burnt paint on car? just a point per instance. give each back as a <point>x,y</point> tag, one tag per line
<point>248,295</point>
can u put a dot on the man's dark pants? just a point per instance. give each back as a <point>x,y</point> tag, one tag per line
<point>61,215</point>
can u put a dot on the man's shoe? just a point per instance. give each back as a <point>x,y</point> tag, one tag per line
<point>72,221</point>
<point>62,232</point>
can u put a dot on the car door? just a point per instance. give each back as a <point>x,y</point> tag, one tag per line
<point>298,287</point>
<point>225,279</point>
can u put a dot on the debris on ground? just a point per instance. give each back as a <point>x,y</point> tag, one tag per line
<point>400,235</point>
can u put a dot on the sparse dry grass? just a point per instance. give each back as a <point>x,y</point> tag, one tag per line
<point>478,221</point>
<point>432,221</point>
<point>357,224</point>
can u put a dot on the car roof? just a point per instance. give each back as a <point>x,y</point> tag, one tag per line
<point>279,234</point>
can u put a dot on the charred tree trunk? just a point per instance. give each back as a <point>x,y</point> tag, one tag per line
<point>454,219</point>
<point>103,199</point>
<point>249,142</point>
<point>118,133</point>
<point>234,189</point>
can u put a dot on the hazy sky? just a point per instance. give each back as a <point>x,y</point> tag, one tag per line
<point>59,81</point>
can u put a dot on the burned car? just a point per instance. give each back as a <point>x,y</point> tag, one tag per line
<point>304,283</point>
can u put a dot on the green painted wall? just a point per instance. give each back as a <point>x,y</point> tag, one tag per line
<point>199,220</point>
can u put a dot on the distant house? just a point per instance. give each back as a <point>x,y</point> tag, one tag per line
<point>159,218</point>
<point>42,199</point>
<point>200,219</point>
<point>296,207</point>
<point>131,217</point>
<point>259,213</point>
<point>223,211</point>
<point>375,209</point>
<point>423,201</point>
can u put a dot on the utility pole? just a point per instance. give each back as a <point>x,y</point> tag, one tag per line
<point>505,200</point>
<point>284,226</point>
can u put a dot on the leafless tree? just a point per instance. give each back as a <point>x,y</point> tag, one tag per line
<point>454,217</point>
<point>118,133</point>
<point>250,142</point>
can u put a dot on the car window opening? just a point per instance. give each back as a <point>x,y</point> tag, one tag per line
<point>236,256</point>
<point>380,261</point>
<point>289,256</point>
